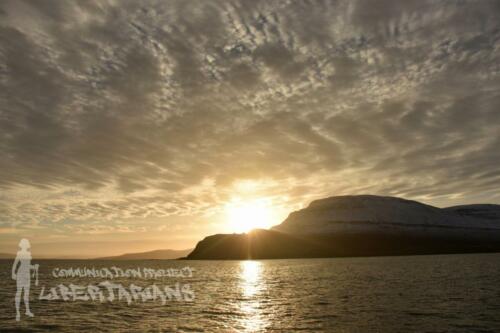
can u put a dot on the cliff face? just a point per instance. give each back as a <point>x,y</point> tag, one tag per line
<point>364,225</point>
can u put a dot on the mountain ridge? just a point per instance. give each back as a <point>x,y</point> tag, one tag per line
<point>374,210</point>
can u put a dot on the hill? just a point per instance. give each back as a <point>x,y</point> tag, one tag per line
<point>156,254</point>
<point>364,225</point>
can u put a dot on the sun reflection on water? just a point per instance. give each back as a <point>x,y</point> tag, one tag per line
<point>252,286</point>
<point>250,275</point>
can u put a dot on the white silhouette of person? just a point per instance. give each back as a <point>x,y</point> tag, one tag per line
<point>23,276</point>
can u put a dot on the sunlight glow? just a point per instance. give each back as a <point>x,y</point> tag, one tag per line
<point>245,215</point>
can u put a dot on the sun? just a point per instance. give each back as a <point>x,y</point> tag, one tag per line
<point>245,215</point>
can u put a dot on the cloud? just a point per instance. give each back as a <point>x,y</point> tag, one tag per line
<point>154,110</point>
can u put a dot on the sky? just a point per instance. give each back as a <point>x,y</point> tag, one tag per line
<point>130,125</point>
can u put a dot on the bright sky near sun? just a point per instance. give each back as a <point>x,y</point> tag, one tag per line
<point>242,216</point>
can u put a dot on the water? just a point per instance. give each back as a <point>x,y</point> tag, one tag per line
<point>445,293</point>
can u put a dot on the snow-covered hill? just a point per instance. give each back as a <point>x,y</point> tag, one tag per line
<point>483,211</point>
<point>369,213</point>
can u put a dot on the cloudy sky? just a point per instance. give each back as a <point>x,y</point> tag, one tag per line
<point>128,126</point>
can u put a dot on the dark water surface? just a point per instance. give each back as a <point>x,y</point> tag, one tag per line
<point>443,293</point>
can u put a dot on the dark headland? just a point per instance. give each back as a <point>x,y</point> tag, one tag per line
<point>363,225</point>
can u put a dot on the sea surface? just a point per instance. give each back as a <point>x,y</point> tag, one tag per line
<point>440,293</point>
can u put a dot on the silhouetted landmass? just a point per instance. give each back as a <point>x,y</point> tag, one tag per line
<point>363,226</point>
<point>156,254</point>
<point>269,244</point>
